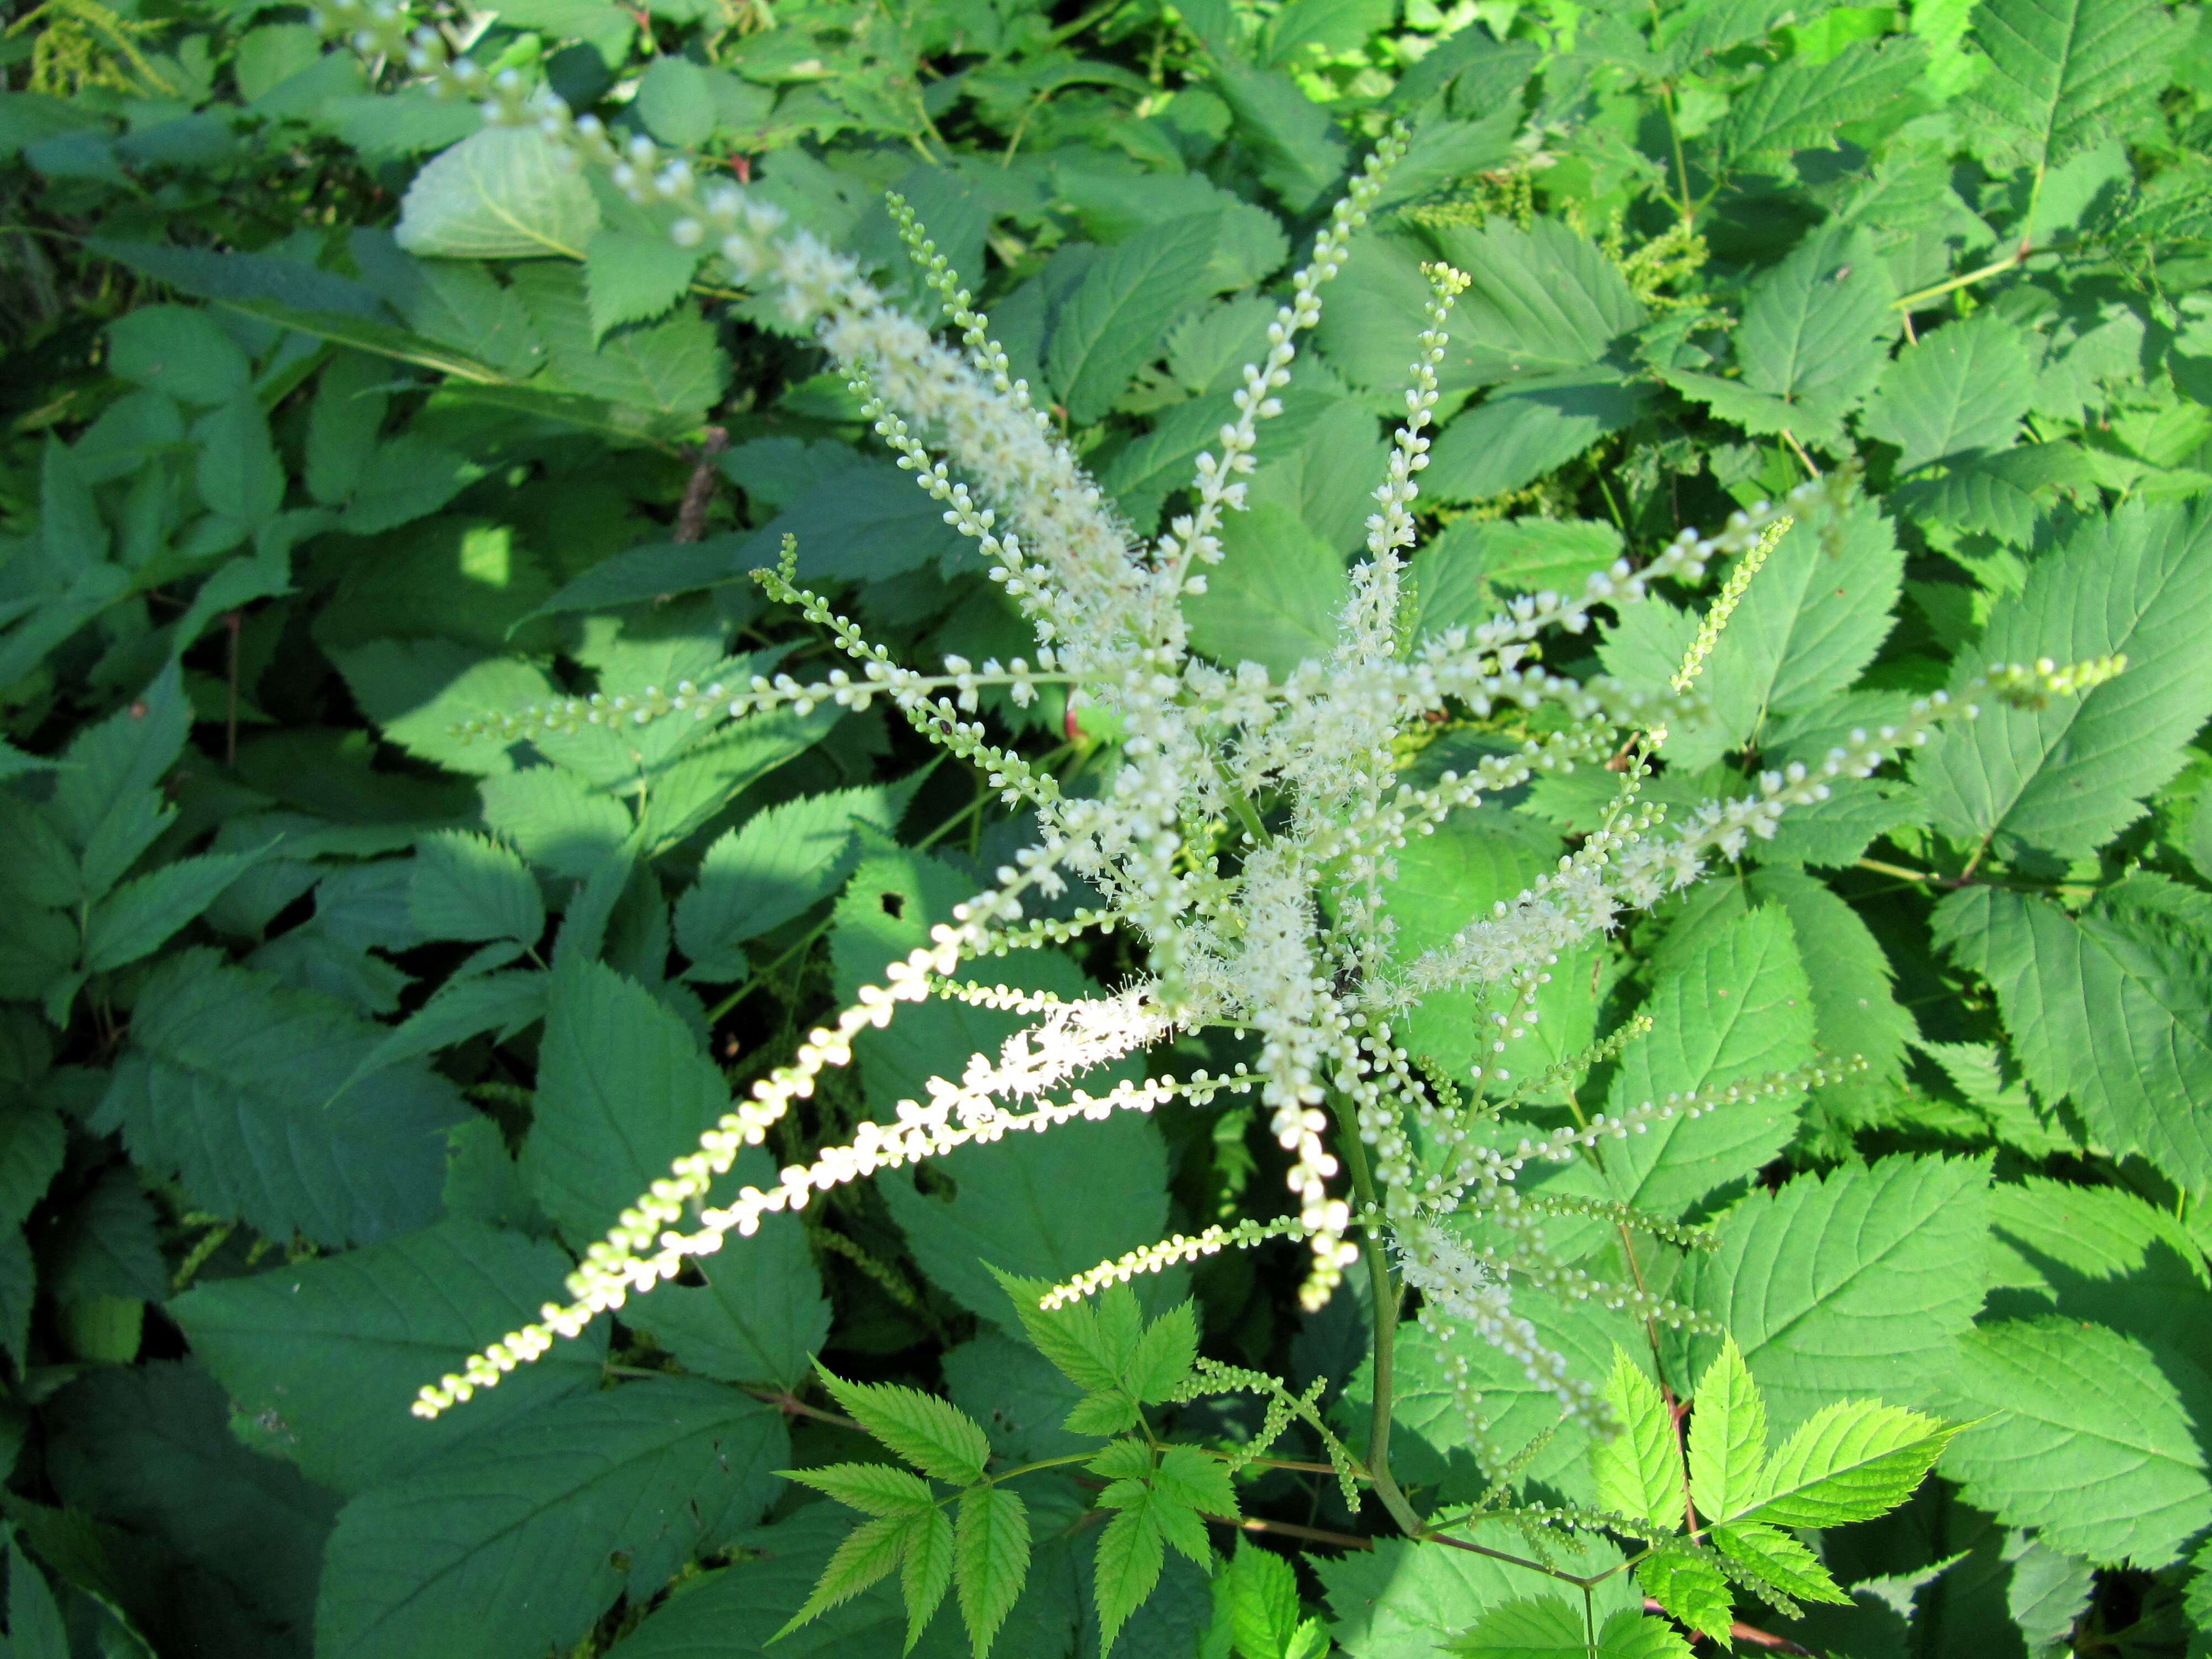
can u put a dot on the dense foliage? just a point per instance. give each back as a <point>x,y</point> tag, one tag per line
<point>343,428</point>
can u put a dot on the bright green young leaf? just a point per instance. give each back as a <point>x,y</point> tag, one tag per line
<point>501,193</point>
<point>1263,1601</point>
<point>1849,1462</point>
<point>623,1088</point>
<point>1071,1335</point>
<point>466,887</point>
<point>2107,1009</point>
<point>871,1551</point>
<point>1551,1628</point>
<point>2064,779</point>
<point>1115,321</point>
<point>1849,1284</point>
<point>1690,1588</point>
<point>2065,75</point>
<point>1164,1355</point>
<point>321,1357</point>
<point>585,1496</point>
<point>1776,1559</point>
<point>1957,391</point>
<point>875,1489</point>
<point>1190,1477</point>
<point>937,1438</point>
<point>927,1572</point>
<point>225,1081</point>
<point>1727,1439</point>
<point>2084,1440</point>
<point>991,1557</point>
<point>1130,1554</point>
<point>1639,1471</point>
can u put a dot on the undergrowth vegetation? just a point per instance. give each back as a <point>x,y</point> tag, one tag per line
<point>1589,973</point>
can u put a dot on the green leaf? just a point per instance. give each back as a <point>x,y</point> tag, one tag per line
<point>461,1009</point>
<point>1691,1587</point>
<point>1299,155</point>
<point>991,1557</point>
<point>1727,1439</point>
<point>1817,327</point>
<point>1540,300</point>
<point>872,1488</point>
<point>2064,74</point>
<point>760,1317</point>
<point>225,1081</point>
<point>634,274</point>
<point>148,1447</point>
<point>178,350</point>
<point>557,821</point>
<point>467,887</point>
<point>140,916</point>
<point>1798,105</point>
<point>927,1572</point>
<point>1273,598</point>
<point>1263,1601</point>
<point>1549,1627</point>
<point>35,1630</point>
<point>1164,1354</point>
<point>1957,391</point>
<point>1849,1462</point>
<point>2084,1439</point>
<point>673,369</point>
<point>1115,321</point>
<point>937,1438</point>
<point>1187,1476</point>
<point>870,1552</point>
<point>862,523</point>
<point>770,868</point>
<point>501,193</point>
<point>1526,430</point>
<point>1850,1284</point>
<point>676,100</point>
<point>1071,1336</point>
<point>2064,779</point>
<point>623,1089</point>
<point>2109,1008</point>
<point>581,1498</point>
<point>1638,1472</point>
<point>320,1356</point>
<point>31,1143</point>
<point>1403,1600</point>
<point>1130,1555</point>
<point>1776,1558</point>
<point>238,474</point>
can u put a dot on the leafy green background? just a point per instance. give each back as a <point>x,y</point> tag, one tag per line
<point>326,1037</point>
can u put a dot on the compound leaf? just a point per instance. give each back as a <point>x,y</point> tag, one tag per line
<point>1130,1556</point>
<point>991,1557</point>
<point>1849,1462</point>
<point>2064,74</point>
<point>936,1438</point>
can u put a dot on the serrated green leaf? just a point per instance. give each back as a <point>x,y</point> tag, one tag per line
<point>1540,300</point>
<point>467,887</point>
<point>35,1630</point>
<point>623,1088</point>
<point>1817,327</point>
<point>2065,778</point>
<point>769,869</point>
<point>875,1489</point>
<point>1691,1588</point>
<point>2084,1440</point>
<point>1263,1601</point>
<point>226,1082</point>
<point>502,194</point>
<point>1798,106</point>
<point>1298,154</point>
<point>632,275</point>
<point>139,917</point>
<point>872,1551</point>
<point>1776,1558</point>
<point>1727,1439</point>
<point>585,1496</point>
<point>1130,1555</point>
<point>1115,321</point>
<point>673,369</point>
<point>1639,1471</point>
<point>1850,1284</point>
<point>1273,598</point>
<point>991,1560</point>
<point>926,1573</point>
<point>1404,1600</point>
<point>1191,1478</point>
<point>936,1438</point>
<point>1550,1627</point>
<point>1109,1411</point>
<point>321,1356</point>
<point>2064,74</point>
<point>1957,391</point>
<point>1849,1462</point>
<point>1528,429</point>
<point>1164,1355</point>
<point>1069,1335</point>
<point>2108,1009</point>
